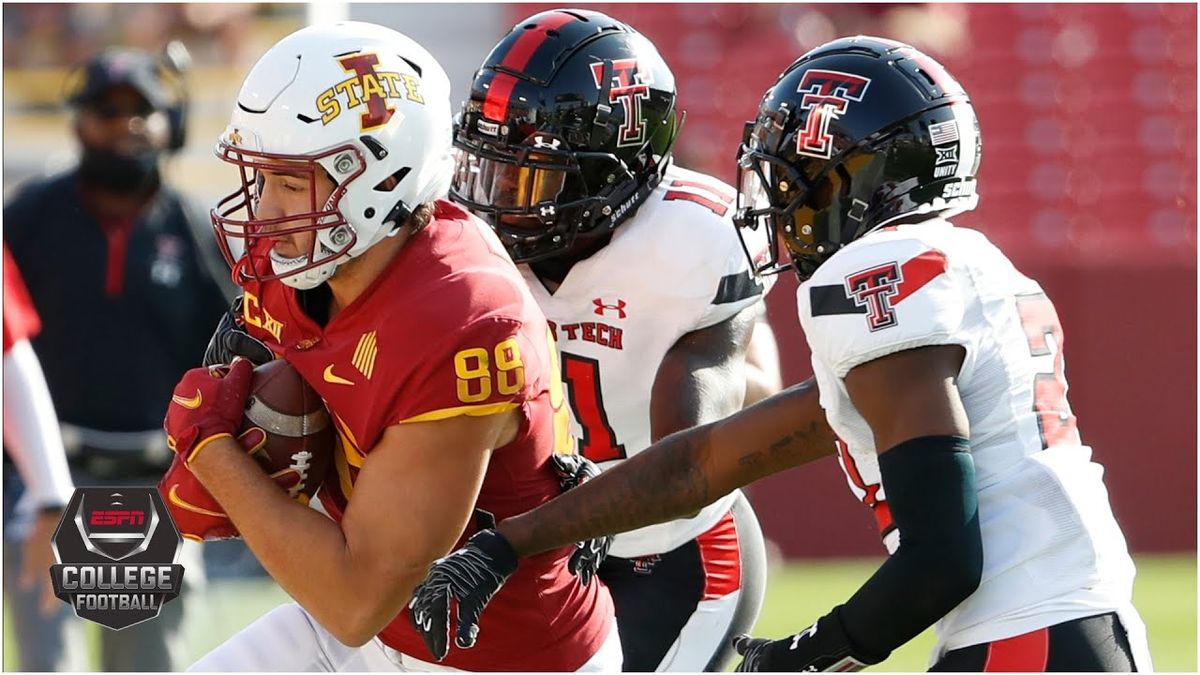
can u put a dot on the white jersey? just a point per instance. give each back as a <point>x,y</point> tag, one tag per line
<point>1052,550</point>
<point>674,267</point>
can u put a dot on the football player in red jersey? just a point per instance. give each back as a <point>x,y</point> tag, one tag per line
<point>438,369</point>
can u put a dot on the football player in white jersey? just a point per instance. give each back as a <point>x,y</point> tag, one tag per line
<point>565,150</point>
<point>938,365</point>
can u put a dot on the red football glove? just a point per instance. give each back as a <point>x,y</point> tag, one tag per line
<point>208,403</point>
<point>197,514</point>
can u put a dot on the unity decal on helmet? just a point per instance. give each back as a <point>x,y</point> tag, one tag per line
<point>827,95</point>
<point>874,288</point>
<point>630,86</point>
<point>367,87</point>
<point>944,137</point>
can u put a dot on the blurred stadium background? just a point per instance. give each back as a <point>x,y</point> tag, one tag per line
<point>1088,182</point>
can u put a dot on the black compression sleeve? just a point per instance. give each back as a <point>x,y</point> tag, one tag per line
<point>930,487</point>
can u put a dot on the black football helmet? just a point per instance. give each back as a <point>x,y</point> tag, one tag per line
<point>569,126</point>
<point>857,133</point>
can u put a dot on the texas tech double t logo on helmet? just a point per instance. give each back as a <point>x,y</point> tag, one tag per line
<point>568,128</point>
<point>857,133</point>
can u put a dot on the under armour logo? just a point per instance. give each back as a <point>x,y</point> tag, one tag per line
<point>542,142</point>
<point>546,211</point>
<point>602,307</point>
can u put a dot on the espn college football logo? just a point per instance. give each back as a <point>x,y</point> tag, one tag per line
<point>114,529</point>
<point>117,551</point>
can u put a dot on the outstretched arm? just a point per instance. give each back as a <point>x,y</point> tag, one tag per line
<point>911,401</point>
<point>682,473</point>
<point>674,477</point>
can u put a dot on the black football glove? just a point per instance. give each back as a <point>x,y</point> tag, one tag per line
<point>230,339</point>
<point>470,577</point>
<point>573,471</point>
<point>824,646</point>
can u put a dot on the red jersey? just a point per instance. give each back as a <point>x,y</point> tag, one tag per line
<point>448,329</point>
<point>21,321</point>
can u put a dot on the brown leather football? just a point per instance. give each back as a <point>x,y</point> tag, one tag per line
<point>300,435</point>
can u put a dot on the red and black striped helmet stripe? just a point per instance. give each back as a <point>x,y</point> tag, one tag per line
<point>495,106</point>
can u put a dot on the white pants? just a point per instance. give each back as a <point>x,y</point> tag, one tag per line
<point>678,610</point>
<point>288,639</point>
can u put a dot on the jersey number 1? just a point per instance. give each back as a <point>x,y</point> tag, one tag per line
<point>1056,423</point>
<point>582,376</point>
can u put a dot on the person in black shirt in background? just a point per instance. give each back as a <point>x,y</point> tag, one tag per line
<point>112,258</point>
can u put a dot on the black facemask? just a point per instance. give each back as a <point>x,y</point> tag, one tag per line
<point>118,172</point>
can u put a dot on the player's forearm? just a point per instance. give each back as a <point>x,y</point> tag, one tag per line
<point>303,550</point>
<point>682,473</point>
<point>662,483</point>
<point>31,434</point>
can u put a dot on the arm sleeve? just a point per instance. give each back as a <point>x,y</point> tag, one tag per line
<point>931,489</point>
<point>31,433</point>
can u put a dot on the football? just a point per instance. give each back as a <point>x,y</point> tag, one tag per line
<point>300,435</point>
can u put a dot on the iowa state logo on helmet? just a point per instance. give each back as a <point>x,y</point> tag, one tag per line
<point>368,87</point>
<point>629,86</point>
<point>827,95</point>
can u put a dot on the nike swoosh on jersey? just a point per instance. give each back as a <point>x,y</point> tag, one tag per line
<point>174,498</point>
<point>334,379</point>
<point>189,403</point>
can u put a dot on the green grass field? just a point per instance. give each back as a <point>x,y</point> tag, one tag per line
<point>1165,595</point>
<point>797,593</point>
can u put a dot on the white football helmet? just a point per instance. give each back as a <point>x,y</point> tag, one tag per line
<point>359,101</point>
